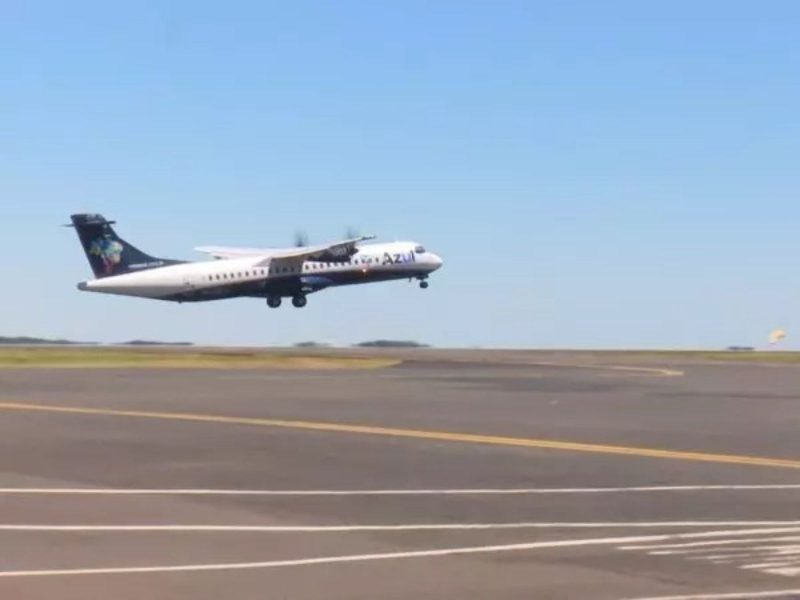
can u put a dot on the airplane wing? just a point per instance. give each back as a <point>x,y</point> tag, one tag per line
<point>223,252</point>
<point>336,252</point>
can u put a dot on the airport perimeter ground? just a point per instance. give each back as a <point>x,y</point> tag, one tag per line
<point>446,475</point>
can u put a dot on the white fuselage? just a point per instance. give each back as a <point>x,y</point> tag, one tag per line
<point>259,276</point>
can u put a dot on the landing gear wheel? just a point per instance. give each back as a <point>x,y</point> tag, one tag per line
<point>424,285</point>
<point>274,301</point>
<point>299,301</point>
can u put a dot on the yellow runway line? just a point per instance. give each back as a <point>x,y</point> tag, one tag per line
<point>440,436</point>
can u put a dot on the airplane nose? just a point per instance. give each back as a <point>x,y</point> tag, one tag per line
<point>437,261</point>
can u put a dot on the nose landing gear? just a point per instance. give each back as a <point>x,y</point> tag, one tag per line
<point>424,284</point>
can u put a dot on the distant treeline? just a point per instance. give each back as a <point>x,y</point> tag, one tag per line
<point>154,343</point>
<point>368,344</point>
<point>391,344</point>
<point>34,341</point>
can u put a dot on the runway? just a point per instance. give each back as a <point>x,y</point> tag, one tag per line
<point>451,475</point>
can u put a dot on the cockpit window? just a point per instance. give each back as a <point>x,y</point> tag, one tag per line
<point>420,249</point>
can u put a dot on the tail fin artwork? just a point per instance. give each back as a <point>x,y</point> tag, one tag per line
<point>109,254</point>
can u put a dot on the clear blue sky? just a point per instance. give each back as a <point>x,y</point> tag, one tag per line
<point>595,174</point>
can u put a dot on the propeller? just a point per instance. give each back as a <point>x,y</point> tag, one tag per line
<point>300,239</point>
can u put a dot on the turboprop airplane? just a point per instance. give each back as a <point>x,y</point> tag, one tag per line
<point>273,274</point>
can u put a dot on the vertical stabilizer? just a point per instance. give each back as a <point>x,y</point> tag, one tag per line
<point>109,254</point>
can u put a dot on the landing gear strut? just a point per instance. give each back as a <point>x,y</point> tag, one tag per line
<point>299,301</point>
<point>273,301</point>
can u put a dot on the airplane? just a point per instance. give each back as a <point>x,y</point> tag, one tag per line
<point>271,274</point>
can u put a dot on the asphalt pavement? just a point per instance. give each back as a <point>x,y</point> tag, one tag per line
<point>485,476</point>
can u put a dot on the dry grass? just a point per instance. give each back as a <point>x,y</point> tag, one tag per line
<point>173,358</point>
<point>766,356</point>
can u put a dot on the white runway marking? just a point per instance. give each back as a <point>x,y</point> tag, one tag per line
<point>714,543</point>
<point>793,572</point>
<point>775,555</point>
<point>382,556</point>
<point>769,546</point>
<point>748,549</point>
<point>419,492</point>
<point>771,565</point>
<point>773,527</point>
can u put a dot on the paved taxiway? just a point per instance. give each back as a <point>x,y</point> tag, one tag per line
<point>440,479</point>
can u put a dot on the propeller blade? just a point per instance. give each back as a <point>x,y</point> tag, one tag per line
<point>300,239</point>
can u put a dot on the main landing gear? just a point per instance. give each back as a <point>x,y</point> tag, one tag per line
<point>298,301</point>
